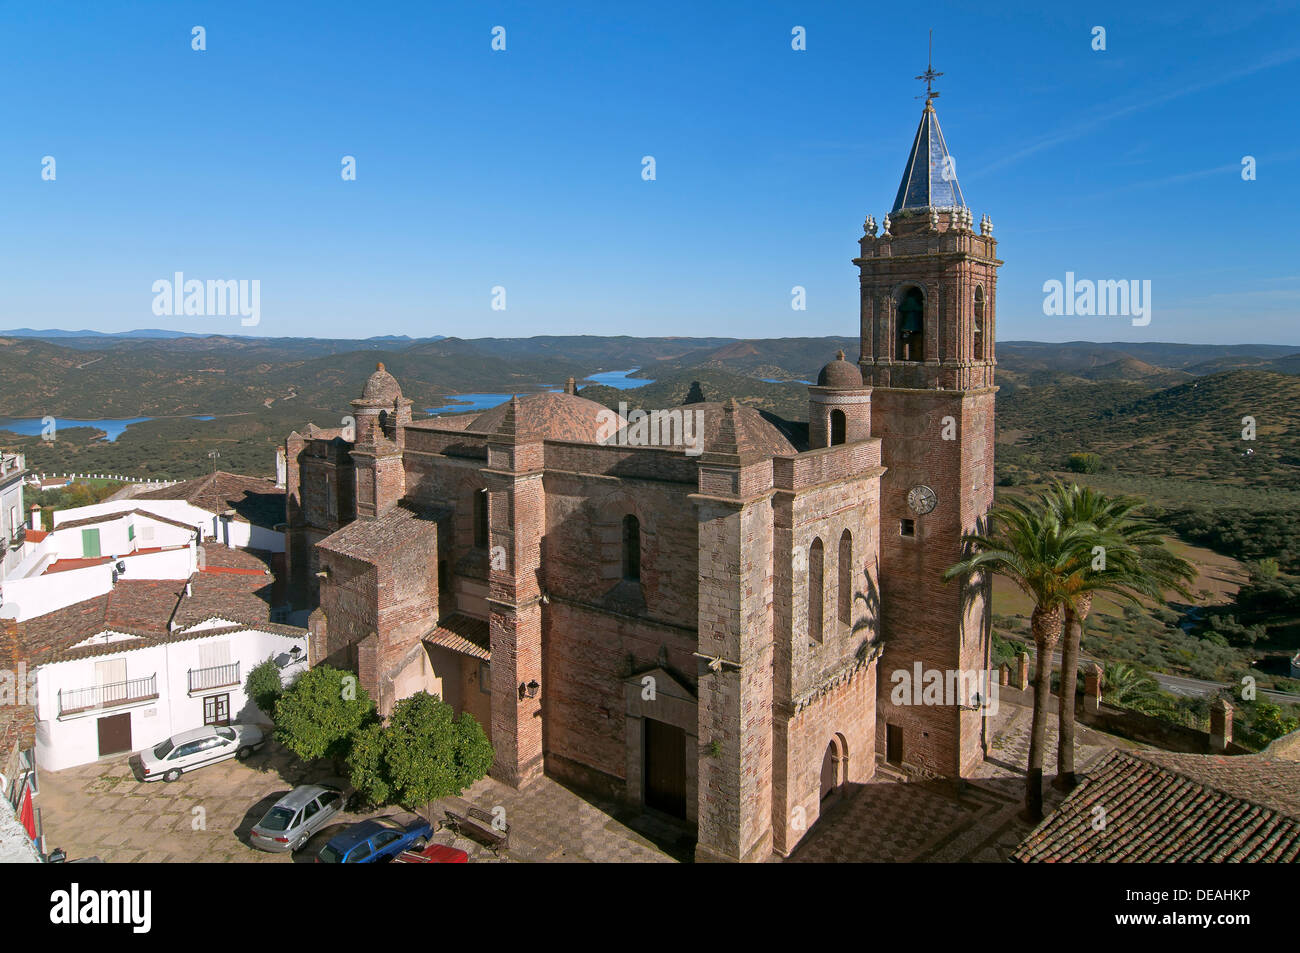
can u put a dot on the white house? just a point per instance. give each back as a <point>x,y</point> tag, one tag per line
<point>82,558</point>
<point>13,468</point>
<point>116,691</point>
<point>240,511</point>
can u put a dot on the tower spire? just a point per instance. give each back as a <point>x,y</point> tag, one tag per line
<point>930,75</point>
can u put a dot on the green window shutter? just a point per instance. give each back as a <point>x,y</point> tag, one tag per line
<point>130,531</point>
<point>90,543</point>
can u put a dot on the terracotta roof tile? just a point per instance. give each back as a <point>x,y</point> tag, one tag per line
<point>1162,806</point>
<point>464,634</point>
<point>371,539</point>
<point>254,500</point>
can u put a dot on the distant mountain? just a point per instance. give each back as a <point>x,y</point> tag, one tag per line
<point>57,333</point>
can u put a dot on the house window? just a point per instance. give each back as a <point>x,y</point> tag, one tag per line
<point>816,590</point>
<point>216,709</point>
<point>845,588</point>
<point>907,527</point>
<point>485,678</point>
<point>480,519</point>
<point>911,326</point>
<point>631,547</point>
<point>331,501</point>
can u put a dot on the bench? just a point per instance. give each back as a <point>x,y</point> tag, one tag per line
<point>479,825</point>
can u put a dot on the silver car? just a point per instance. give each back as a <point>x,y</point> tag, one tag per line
<point>198,748</point>
<point>295,817</point>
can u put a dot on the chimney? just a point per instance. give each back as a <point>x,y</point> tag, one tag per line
<point>281,468</point>
<point>571,387</point>
<point>34,522</point>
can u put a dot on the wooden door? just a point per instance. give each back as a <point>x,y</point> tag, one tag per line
<point>894,744</point>
<point>114,734</point>
<point>665,768</point>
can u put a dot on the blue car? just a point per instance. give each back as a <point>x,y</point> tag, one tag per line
<point>375,840</point>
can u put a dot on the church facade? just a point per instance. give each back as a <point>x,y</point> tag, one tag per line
<point>708,628</point>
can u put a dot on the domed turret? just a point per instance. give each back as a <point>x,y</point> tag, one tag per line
<point>381,386</point>
<point>839,405</point>
<point>840,374</point>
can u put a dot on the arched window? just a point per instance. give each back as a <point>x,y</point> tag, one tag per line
<point>631,547</point>
<point>816,590</point>
<point>480,519</point>
<point>911,326</point>
<point>978,346</point>
<point>837,427</point>
<point>845,589</point>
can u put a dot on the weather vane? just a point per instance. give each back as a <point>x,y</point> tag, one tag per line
<point>929,75</point>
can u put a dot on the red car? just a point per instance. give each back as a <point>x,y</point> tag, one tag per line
<point>433,854</point>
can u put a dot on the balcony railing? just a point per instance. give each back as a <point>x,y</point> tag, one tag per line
<point>110,695</point>
<point>215,676</point>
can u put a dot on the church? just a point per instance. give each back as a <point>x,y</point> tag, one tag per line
<point>707,631</point>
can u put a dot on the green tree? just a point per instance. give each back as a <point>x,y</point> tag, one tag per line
<point>366,769</point>
<point>1127,558</point>
<point>1027,543</point>
<point>423,753</point>
<point>319,713</point>
<point>1084,462</point>
<point>264,686</point>
<point>1269,723</point>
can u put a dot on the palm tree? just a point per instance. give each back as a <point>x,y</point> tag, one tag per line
<point>1128,686</point>
<point>1128,559</point>
<point>1029,544</point>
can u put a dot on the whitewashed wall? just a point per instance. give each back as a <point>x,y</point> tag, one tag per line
<point>74,739</point>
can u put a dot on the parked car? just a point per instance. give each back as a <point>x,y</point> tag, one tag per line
<point>375,840</point>
<point>295,817</point>
<point>196,749</point>
<point>433,854</point>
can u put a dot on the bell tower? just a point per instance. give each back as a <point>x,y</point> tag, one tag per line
<point>928,284</point>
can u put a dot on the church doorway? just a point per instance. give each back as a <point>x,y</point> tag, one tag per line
<point>665,768</point>
<point>830,770</point>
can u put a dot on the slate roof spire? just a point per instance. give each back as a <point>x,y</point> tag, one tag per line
<point>930,176</point>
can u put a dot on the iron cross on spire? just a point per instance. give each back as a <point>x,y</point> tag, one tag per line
<point>929,75</point>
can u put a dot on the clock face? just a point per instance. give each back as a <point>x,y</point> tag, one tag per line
<point>921,499</point>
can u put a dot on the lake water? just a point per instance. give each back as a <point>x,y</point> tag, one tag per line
<point>34,426</point>
<point>615,379</point>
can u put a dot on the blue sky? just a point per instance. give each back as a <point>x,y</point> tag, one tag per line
<point>522,168</point>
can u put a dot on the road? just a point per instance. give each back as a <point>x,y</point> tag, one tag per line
<point>1178,684</point>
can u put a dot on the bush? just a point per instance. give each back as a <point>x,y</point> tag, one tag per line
<point>1084,462</point>
<point>319,713</point>
<point>425,752</point>
<point>264,686</point>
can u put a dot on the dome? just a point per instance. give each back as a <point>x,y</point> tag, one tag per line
<point>381,386</point>
<point>755,436</point>
<point>839,373</point>
<point>553,417</point>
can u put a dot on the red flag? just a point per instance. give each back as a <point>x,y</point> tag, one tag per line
<point>27,816</point>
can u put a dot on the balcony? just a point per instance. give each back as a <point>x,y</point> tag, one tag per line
<point>110,695</point>
<point>215,676</point>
